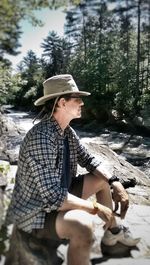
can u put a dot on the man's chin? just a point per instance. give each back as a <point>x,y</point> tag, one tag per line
<point>77,117</point>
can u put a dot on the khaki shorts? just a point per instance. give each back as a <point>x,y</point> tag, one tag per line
<point>49,230</point>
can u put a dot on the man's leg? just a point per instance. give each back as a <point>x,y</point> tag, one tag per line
<point>77,226</point>
<point>115,233</point>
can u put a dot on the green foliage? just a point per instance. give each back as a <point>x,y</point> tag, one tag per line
<point>145,99</point>
<point>31,74</point>
<point>9,84</point>
<point>100,49</point>
<point>4,169</point>
<point>11,14</point>
<point>92,63</point>
<point>4,237</point>
<point>55,53</point>
<point>9,26</point>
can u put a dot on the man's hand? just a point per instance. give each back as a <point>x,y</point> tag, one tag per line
<point>120,195</point>
<point>106,215</point>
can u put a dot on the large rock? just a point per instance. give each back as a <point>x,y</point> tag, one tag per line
<point>29,250</point>
<point>144,119</point>
<point>136,182</point>
<point>10,139</point>
<point>4,166</point>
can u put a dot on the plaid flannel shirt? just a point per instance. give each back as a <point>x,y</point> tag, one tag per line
<point>38,187</point>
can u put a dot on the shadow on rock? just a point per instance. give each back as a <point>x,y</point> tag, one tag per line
<point>117,251</point>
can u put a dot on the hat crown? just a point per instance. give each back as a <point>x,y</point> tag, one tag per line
<point>59,84</point>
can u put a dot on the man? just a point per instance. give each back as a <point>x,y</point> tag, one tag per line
<point>49,199</point>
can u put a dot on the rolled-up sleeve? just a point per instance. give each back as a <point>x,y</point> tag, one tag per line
<point>42,158</point>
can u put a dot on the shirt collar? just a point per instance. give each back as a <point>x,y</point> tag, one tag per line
<point>57,127</point>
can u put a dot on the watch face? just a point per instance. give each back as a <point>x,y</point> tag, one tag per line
<point>112,179</point>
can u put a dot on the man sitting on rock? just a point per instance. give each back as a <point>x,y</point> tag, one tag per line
<point>49,199</point>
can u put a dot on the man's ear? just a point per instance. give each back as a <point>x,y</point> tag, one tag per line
<point>61,102</point>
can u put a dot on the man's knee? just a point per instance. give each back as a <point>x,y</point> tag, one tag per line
<point>83,230</point>
<point>83,237</point>
<point>93,184</point>
<point>78,226</point>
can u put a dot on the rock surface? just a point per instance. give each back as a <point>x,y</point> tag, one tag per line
<point>128,173</point>
<point>138,219</point>
<point>36,252</point>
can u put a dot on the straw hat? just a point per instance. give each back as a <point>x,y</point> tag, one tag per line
<point>59,85</point>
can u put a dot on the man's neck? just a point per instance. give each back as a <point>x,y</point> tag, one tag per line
<point>62,120</point>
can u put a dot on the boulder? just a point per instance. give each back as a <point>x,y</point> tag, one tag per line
<point>29,250</point>
<point>10,139</point>
<point>117,165</point>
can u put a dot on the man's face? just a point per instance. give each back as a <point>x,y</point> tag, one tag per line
<point>74,106</point>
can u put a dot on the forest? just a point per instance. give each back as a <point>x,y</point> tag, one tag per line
<point>106,47</point>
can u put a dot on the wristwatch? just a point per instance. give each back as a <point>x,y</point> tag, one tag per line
<point>112,179</point>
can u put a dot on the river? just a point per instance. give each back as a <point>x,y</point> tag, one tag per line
<point>21,119</point>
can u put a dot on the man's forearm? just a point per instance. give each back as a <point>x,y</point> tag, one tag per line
<point>102,172</point>
<point>73,202</point>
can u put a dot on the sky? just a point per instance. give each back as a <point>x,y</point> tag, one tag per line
<point>32,37</point>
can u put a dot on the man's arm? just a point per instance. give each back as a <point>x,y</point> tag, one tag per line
<point>119,193</point>
<point>41,157</point>
<point>85,159</point>
<point>72,202</point>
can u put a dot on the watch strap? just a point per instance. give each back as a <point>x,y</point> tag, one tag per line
<point>112,179</point>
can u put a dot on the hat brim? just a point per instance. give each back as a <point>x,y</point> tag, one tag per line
<point>43,99</point>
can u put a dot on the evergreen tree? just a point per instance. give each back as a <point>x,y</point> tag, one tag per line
<point>134,14</point>
<point>32,75</point>
<point>12,13</point>
<point>55,53</point>
<point>9,85</point>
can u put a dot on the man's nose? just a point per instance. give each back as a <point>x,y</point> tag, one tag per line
<point>81,102</point>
